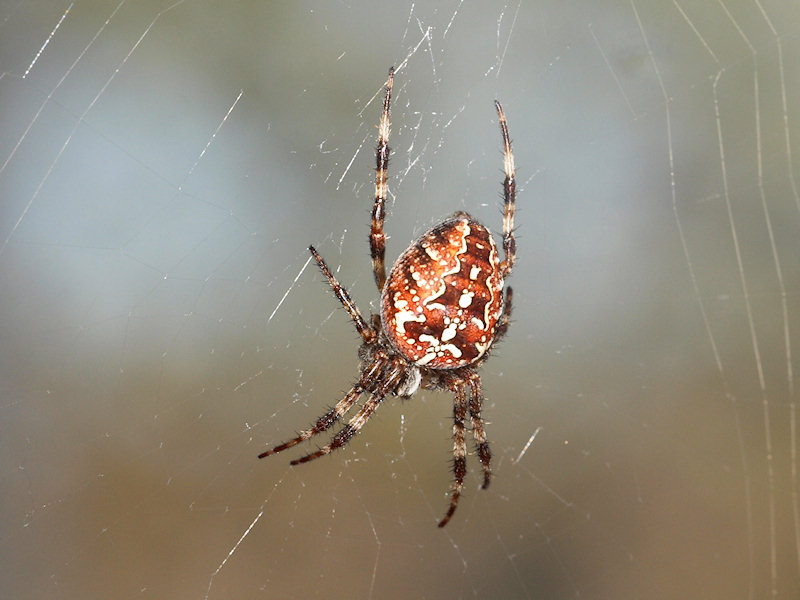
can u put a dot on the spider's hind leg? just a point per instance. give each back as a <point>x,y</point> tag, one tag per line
<point>377,239</point>
<point>367,333</point>
<point>505,318</point>
<point>509,195</point>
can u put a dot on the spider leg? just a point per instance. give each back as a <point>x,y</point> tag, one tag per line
<point>324,423</point>
<point>377,240</point>
<point>348,431</point>
<point>388,378</point>
<point>505,318</point>
<point>509,196</point>
<point>459,447</point>
<point>367,333</point>
<point>327,420</point>
<point>387,381</point>
<point>478,432</point>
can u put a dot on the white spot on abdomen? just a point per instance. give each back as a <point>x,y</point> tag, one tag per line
<point>466,299</point>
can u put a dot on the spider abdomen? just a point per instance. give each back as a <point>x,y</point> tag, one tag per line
<point>443,297</point>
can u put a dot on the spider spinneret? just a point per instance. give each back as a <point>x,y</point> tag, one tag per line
<point>442,307</point>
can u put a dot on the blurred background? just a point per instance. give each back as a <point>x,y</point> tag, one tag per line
<point>163,168</point>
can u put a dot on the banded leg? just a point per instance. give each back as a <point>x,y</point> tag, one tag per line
<point>389,380</point>
<point>377,240</point>
<point>459,448</point>
<point>327,420</point>
<point>324,423</point>
<point>478,432</point>
<point>345,433</point>
<point>367,333</point>
<point>505,318</point>
<point>509,196</point>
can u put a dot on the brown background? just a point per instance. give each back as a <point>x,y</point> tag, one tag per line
<point>159,326</point>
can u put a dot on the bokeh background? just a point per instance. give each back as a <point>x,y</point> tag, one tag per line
<point>163,168</point>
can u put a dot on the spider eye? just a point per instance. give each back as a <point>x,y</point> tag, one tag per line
<point>443,298</point>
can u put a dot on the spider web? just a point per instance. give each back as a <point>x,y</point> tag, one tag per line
<point>163,167</point>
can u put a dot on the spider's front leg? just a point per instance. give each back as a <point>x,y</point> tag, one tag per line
<point>461,405</point>
<point>369,335</point>
<point>383,370</point>
<point>324,423</point>
<point>379,382</point>
<point>459,447</point>
<point>478,432</point>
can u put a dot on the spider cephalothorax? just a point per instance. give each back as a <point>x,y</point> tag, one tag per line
<point>442,307</point>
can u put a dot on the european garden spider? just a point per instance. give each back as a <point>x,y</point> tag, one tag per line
<point>442,308</point>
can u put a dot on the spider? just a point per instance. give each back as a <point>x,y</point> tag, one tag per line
<point>441,309</point>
